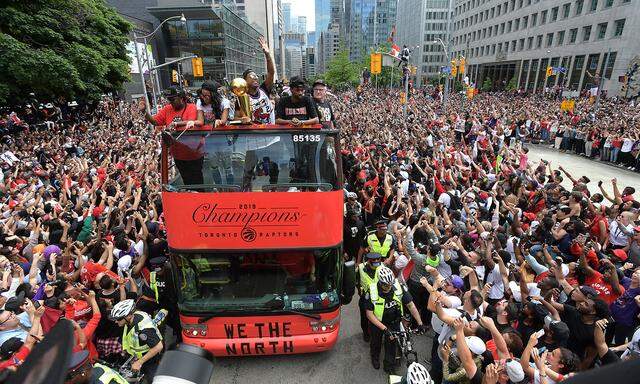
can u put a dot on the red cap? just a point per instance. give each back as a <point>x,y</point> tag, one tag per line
<point>620,254</point>
<point>483,195</point>
<point>97,211</point>
<point>530,216</point>
<point>120,165</point>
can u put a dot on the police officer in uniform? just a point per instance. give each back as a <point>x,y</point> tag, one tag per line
<point>379,241</point>
<point>366,275</point>
<point>80,371</point>
<point>385,307</point>
<point>141,338</point>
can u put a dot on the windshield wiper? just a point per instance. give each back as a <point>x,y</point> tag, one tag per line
<point>206,318</point>
<point>277,305</point>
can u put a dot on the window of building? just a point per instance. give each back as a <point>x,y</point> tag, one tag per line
<point>554,14</point>
<point>566,9</point>
<point>521,44</point>
<point>619,27</point>
<point>549,39</point>
<point>573,35</point>
<point>560,38</point>
<point>608,3</point>
<point>594,5</point>
<point>602,30</point>
<point>513,45</point>
<point>543,18</point>
<point>586,33</point>
<point>534,19</point>
<point>509,26</point>
<point>525,21</point>
<point>516,25</point>
<point>539,42</point>
<point>530,42</point>
<point>579,5</point>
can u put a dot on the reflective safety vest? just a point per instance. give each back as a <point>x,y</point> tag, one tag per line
<point>376,247</point>
<point>130,337</point>
<point>153,284</point>
<point>365,279</point>
<point>378,302</point>
<point>109,376</point>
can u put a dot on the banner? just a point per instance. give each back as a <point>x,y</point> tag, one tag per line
<point>376,63</point>
<point>253,220</point>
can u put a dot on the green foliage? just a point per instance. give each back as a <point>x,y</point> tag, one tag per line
<point>512,85</point>
<point>487,85</point>
<point>341,72</point>
<point>70,48</point>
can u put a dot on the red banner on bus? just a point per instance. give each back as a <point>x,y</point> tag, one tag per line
<point>253,220</point>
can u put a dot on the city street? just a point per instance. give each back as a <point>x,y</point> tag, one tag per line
<point>349,361</point>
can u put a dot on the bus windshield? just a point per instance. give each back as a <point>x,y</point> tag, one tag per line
<point>283,280</point>
<point>254,161</point>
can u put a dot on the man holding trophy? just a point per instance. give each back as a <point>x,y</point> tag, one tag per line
<point>259,109</point>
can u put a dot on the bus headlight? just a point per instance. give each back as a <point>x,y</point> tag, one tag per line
<point>325,325</point>
<point>194,330</point>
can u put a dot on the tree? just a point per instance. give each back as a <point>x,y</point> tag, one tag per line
<point>487,85</point>
<point>512,85</point>
<point>70,48</point>
<point>341,72</point>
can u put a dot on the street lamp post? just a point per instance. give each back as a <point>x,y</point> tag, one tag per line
<point>139,58</point>
<point>446,82</point>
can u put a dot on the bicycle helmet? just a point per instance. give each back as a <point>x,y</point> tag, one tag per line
<point>122,309</point>
<point>418,374</point>
<point>385,275</point>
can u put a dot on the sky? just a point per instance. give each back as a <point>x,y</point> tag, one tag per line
<point>304,8</point>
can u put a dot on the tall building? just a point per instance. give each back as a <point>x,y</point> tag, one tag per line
<point>309,63</point>
<point>259,13</point>
<point>328,46</point>
<point>225,41</point>
<point>311,38</point>
<point>369,25</point>
<point>279,53</point>
<point>418,24</point>
<point>294,61</point>
<point>302,24</point>
<point>323,15</point>
<point>592,41</point>
<point>286,14</point>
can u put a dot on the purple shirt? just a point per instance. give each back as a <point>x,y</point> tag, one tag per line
<point>625,310</point>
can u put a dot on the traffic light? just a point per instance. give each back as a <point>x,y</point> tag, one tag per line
<point>174,76</point>
<point>198,70</point>
<point>549,71</point>
<point>454,68</point>
<point>462,63</point>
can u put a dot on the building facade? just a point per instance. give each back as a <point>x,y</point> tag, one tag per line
<point>259,14</point>
<point>309,63</point>
<point>590,41</point>
<point>329,44</point>
<point>370,23</point>
<point>323,15</point>
<point>293,61</point>
<point>418,24</point>
<point>302,24</point>
<point>286,14</point>
<point>225,41</point>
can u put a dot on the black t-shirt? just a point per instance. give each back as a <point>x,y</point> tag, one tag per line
<point>303,109</point>
<point>352,235</point>
<point>325,114</point>
<point>392,311</point>
<point>581,334</point>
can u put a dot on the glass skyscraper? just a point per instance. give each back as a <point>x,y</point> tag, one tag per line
<point>370,25</point>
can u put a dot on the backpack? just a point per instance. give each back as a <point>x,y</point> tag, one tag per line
<point>455,203</point>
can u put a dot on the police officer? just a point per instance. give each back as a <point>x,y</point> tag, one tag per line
<point>141,338</point>
<point>379,241</point>
<point>365,276</point>
<point>385,307</point>
<point>80,371</point>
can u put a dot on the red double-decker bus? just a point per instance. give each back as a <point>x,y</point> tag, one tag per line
<point>254,224</point>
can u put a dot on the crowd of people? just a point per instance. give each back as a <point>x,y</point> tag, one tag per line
<point>522,272</point>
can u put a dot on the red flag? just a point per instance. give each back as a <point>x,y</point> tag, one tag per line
<point>395,51</point>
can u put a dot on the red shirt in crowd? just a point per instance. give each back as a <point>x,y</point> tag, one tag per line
<point>168,114</point>
<point>604,289</point>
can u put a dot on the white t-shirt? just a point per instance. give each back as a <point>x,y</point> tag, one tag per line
<point>497,286</point>
<point>627,144</point>
<point>616,236</point>
<point>209,116</point>
<point>262,109</point>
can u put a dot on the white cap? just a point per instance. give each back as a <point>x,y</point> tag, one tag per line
<point>475,344</point>
<point>124,263</point>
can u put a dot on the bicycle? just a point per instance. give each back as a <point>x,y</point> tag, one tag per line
<point>405,346</point>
